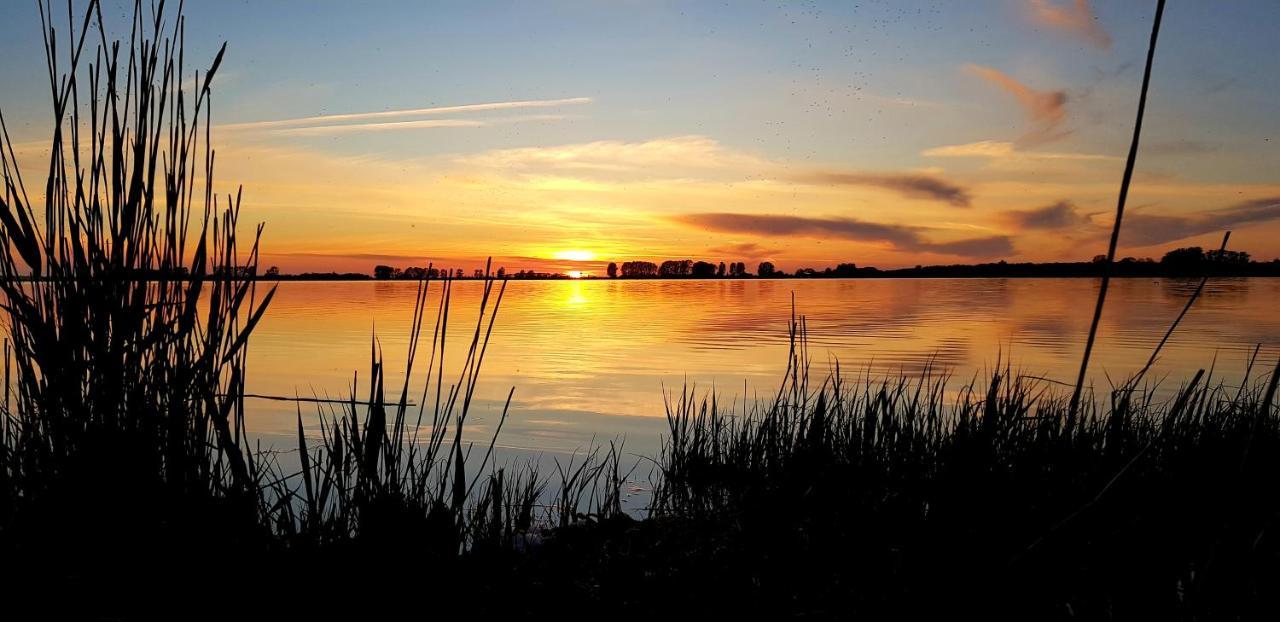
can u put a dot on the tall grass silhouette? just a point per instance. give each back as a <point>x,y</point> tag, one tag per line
<point>916,497</point>
<point>129,297</point>
<point>1116,226</point>
<point>387,473</point>
<point>129,301</point>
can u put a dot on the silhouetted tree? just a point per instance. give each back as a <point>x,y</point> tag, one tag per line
<point>384,272</point>
<point>703,270</point>
<point>1187,257</point>
<point>766,269</point>
<point>272,272</point>
<point>613,270</point>
<point>1194,258</point>
<point>720,270</point>
<point>1129,264</point>
<point>845,270</point>
<point>239,272</point>
<point>639,269</point>
<point>1227,257</point>
<point>502,273</point>
<point>676,268</point>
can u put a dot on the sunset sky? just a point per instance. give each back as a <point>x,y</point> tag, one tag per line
<point>563,135</point>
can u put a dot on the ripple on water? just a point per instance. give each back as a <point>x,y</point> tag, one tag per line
<point>594,351</point>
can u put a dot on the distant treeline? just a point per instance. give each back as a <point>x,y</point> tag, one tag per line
<point>1188,261</point>
<point>415,273</point>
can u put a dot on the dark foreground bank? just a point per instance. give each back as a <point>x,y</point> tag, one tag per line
<point>872,497</point>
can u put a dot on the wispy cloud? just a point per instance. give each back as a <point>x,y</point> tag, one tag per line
<point>698,157</point>
<point>326,130</point>
<point>900,237</point>
<point>322,130</point>
<point>912,185</point>
<point>1060,215</point>
<point>673,153</point>
<point>750,250</point>
<point>1076,19</point>
<point>995,149</point>
<point>360,121</point>
<point>1142,229</point>
<point>355,255</point>
<point>1047,110</point>
<point>990,246</point>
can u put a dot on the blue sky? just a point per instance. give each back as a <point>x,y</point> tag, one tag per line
<point>778,93</point>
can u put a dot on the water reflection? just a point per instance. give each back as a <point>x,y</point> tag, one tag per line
<point>591,357</point>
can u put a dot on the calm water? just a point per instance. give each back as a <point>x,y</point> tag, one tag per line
<point>591,358</point>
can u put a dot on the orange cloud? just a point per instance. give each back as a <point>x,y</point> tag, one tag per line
<point>993,149</point>
<point>1148,229</point>
<point>1077,19</point>
<point>1047,110</point>
<point>1060,215</point>
<point>674,155</point>
<point>900,237</point>
<point>907,184</point>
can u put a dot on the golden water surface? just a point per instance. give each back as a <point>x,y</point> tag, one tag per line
<point>590,359</point>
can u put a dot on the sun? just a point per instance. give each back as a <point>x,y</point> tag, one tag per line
<point>575,255</point>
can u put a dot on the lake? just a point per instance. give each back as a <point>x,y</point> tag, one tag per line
<point>590,359</point>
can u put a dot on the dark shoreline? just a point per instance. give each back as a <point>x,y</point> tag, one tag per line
<point>1001,270</point>
<point>290,278</point>
<point>1083,270</point>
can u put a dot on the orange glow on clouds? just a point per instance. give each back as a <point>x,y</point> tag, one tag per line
<point>575,255</point>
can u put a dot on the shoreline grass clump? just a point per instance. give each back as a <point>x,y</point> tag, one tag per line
<point>127,475</point>
<point>388,467</point>
<point>129,299</point>
<point>894,496</point>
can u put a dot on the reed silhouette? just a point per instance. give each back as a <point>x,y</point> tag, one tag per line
<point>1129,164</point>
<point>896,496</point>
<point>129,301</point>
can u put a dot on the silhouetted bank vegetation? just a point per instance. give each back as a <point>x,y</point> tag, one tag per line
<point>901,497</point>
<point>1182,262</point>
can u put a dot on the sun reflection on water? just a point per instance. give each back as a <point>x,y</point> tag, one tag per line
<point>596,354</point>
<point>576,296</point>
